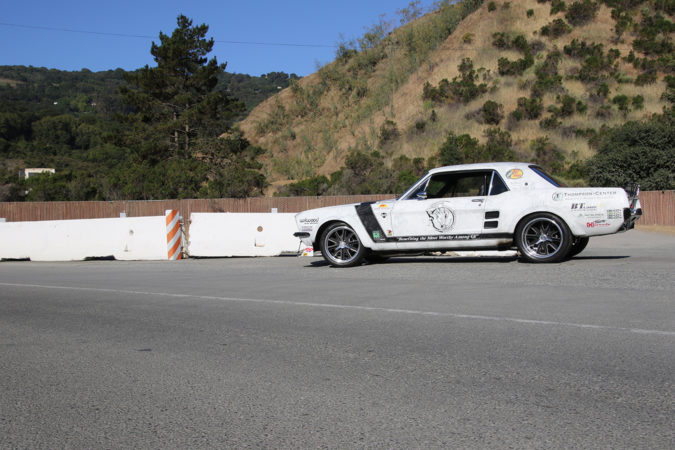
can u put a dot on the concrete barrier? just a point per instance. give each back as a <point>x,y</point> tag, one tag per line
<point>242,234</point>
<point>138,238</point>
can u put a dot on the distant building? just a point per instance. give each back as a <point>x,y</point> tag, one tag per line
<point>27,173</point>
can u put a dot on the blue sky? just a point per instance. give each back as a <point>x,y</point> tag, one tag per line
<point>29,31</point>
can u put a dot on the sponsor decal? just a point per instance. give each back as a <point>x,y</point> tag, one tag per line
<point>613,214</point>
<point>389,232</point>
<point>558,196</point>
<point>307,228</point>
<point>597,224</point>
<point>383,215</point>
<point>448,237</point>
<point>514,174</point>
<point>583,207</point>
<point>441,216</point>
<point>383,205</point>
<point>376,235</point>
<point>310,221</point>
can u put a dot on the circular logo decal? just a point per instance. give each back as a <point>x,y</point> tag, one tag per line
<point>514,174</point>
<point>441,216</point>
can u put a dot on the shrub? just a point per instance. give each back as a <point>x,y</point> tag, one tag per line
<point>623,20</point>
<point>507,67</point>
<point>622,102</point>
<point>497,145</point>
<point>548,155</point>
<point>547,75</point>
<point>530,108</point>
<point>500,40</point>
<point>640,152</point>
<point>492,112</point>
<point>388,131</point>
<point>555,29</point>
<point>582,12</point>
<point>462,88</point>
<point>568,105</point>
<point>314,186</point>
<point>603,90</point>
<point>581,49</point>
<point>492,6</point>
<point>638,102</point>
<point>558,6</point>
<point>645,78</point>
<point>604,112</point>
<point>530,12</point>
<point>550,123</point>
<point>459,149</point>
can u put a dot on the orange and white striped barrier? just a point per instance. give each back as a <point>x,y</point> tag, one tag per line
<point>174,241</point>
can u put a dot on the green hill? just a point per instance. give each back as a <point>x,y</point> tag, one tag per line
<point>534,79</point>
<point>74,122</point>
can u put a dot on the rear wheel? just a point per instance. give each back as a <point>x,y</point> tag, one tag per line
<point>341,246</point>
<point>578,246</point>
<point>543,238</point>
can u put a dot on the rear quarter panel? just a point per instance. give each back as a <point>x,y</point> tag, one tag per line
<point>586,211</point>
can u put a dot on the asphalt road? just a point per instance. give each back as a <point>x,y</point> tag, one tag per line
<point>291,353</point>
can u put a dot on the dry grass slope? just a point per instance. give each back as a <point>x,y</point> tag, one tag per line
<point>310,127</point>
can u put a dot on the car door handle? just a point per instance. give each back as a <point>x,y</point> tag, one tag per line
<point>478,200</point>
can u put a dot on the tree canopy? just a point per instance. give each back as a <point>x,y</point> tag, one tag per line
<point>148,134</point>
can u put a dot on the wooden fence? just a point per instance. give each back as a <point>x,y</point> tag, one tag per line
<point>29,211</point>
<point>658,207</point>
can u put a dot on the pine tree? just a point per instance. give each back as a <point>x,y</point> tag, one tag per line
<point>177,99</point>
<point>177,117</point>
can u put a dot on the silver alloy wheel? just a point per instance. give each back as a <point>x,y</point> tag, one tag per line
<point>342,245</point>
<point>542,238</point>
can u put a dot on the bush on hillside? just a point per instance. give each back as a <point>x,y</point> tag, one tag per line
<point>492,112</point>
<point>555,29</point>
<point>639,152</point>
<point>558,6</point>
<point>547,155</point>
<point>528,109</point>
<point>582,12</point>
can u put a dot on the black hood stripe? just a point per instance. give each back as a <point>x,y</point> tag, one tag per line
<point>370,223</point>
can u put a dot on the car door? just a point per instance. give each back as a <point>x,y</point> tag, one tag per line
<point>449,206</point>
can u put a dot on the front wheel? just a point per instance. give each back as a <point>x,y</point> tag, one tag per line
<point>341,246</point>
<point>543,238</point>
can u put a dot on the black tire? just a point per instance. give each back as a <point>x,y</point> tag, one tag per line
<point>578,246</point>
<point>543,238</point>
<point>341,246</point>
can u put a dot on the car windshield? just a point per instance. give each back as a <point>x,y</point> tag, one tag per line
<point>554,181</point>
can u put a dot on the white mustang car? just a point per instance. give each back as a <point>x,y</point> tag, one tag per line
<point>489,206</point>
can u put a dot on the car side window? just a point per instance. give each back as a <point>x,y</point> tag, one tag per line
<point>462,184</point>
<point>498,185</point>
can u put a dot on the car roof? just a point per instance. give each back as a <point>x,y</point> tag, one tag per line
<point>499,166</point>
